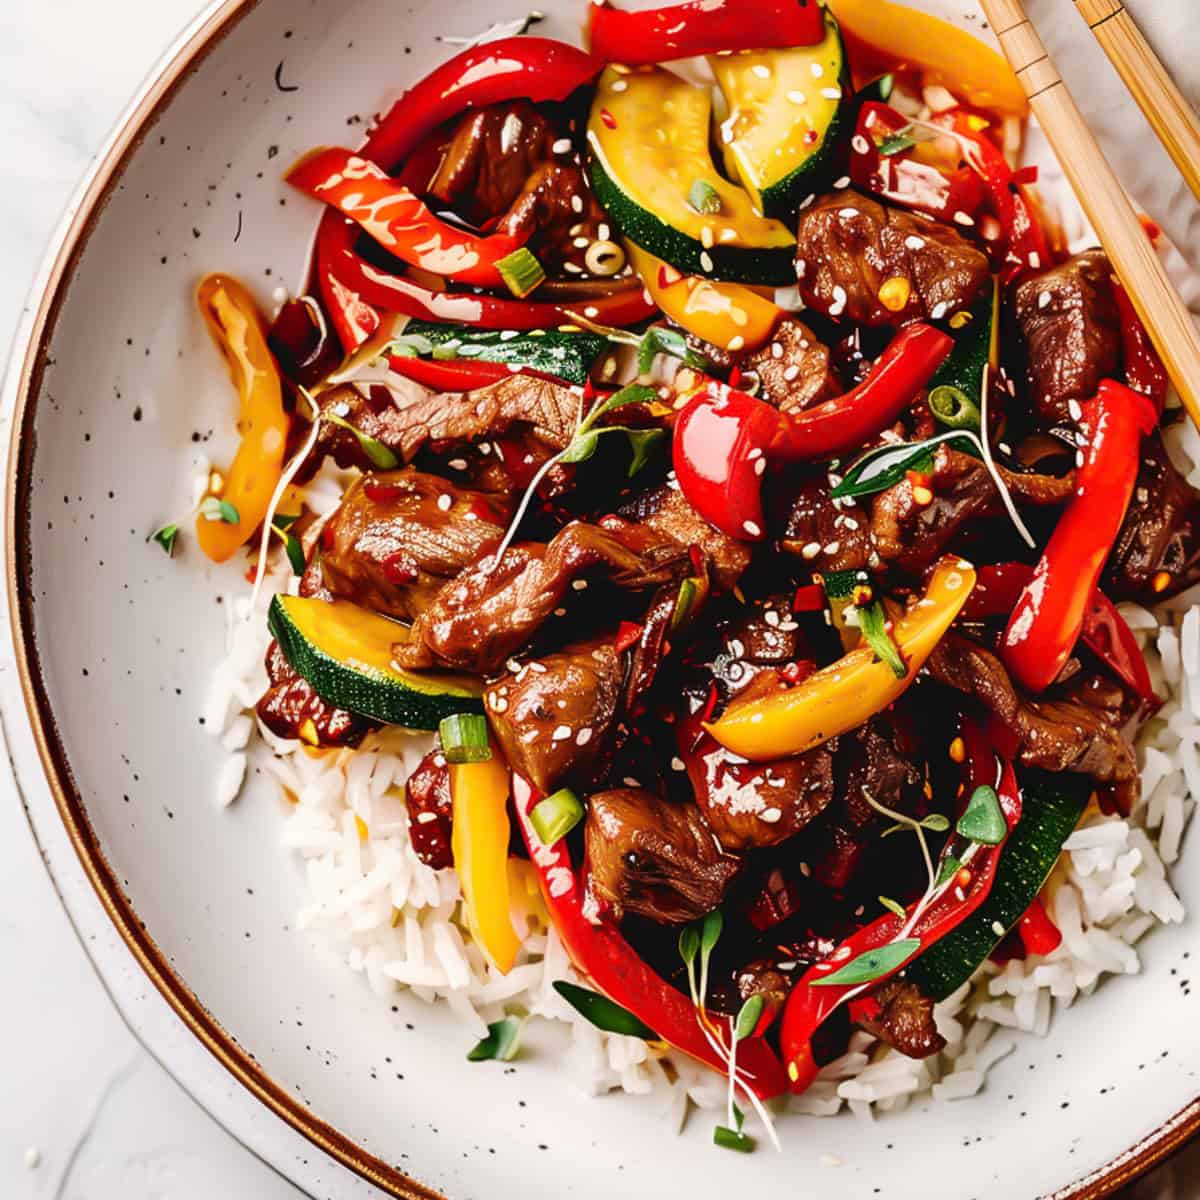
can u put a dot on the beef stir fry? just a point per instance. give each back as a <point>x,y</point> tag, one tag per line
<point>749,532</point>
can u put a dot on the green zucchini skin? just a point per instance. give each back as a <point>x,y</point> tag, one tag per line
<point>774,266</point>
<point>567,356</point>
<point>965,364</point>
<point>1052,806</point>
<point>360,690</point>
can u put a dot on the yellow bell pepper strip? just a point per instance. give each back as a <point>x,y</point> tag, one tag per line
<point>843,695</point>
<point>730,316</point>
<point>240,334</point>
<point>479,841</point>
<point>942,52</point>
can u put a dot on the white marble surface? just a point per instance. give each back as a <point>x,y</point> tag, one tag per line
<point>84,1111</point>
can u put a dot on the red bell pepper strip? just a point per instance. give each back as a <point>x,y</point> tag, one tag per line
<point>355,290</point>
<point>999,587</point>
<point>657,35</point>
<point>399,220</point>
<point>512,68</point>
<point>1049,614</point>
<point>808,1005</point>
<point>449,375</point>
<point>1039,934</point>
<point>1144,371</point>
<point>613,966</point>
<point>719,455</point>
<point>1027,245</point>
<point>900,178</point>
<point>848,421</point>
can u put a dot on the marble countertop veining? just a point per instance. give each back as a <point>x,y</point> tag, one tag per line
<point>84,1111</point>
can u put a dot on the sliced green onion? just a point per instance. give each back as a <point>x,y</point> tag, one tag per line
<point>603,1013</point>
<point>464,738</point>
<point>872,620</point>
<point>295,553</point>
<point>501,1044</point>
<point>840,585</point>
<point>748,1016</point>
<point>521,272</point>
<point>731,1139</point>
<point>871,965</point>
<point>379,454</point>
<point>212,508</point>
<point>165,537</point>
<point>983,820</point>
<point>896,144</point>
<point>953,407</point>
<point>555,817</point>
<point>704,198</point>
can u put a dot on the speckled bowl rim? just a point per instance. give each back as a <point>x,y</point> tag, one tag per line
<point>102,179</point>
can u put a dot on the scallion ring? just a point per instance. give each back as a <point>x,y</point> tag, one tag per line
<point>953,407</point>
<point>521,272</point>
<point>464,738</point>
<point>555,817</point>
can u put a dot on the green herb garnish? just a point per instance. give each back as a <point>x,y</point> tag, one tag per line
<point>501,1044</point>
<point>748,1017</point>
<point>872,620</point>
<point>661,339</point>
<point>879,469</point>
<point>604,1013</point>
<point>213,508</point>
<point>871,965</point>
<point>983,820</point>
<point>379,454</point>
<point>704,198</point>
<point>521,272</point>
<point>165,537</point>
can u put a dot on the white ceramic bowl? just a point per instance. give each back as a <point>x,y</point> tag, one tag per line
<point>115,642</point>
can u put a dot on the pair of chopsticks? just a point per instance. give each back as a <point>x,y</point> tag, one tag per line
<point>1164,314</point>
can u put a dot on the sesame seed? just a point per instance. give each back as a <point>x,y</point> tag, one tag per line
<point>807,201</point>
<point>444,502</point>
<point>619,85</point>
<point>591,312</point>
<point>912,242</point>
<point>842,183</point>
<point>1074,409</point>
<point>561,733</point>
<point>859,144</point>
<point>581,243</point>
<point>776,350</point>
<point>831,93</point>
<point>706,262</point>
<point>762,71</point>
<point>817,70</point>
<point>939,311</point>
<point>1035,260</point>
<point>583,736</point>
<point>752,529</point>
<point>1044,299</point>
<point>797,97</point>
<point>771,815</point>
<point>760,466</point>
<point>839,301</point>
<point>706,237</point>
<point>562,146</point>
<point>580,585</point>
<point>997,929</point>
<point>457,464</point>
<point>1079,458</point>
<point>603,233</point>
<point>833,547</point>
<point>964,219</point>
<point>677,764</point>
<point>847,213</point>
<point>577,204</point>
<point>791,372</point>
<point>811,550</point>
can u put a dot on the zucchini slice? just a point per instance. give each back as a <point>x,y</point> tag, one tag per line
<point>976,346</point>
<point>564,355</point>
<point>788,110</point>
<point>345,652</point>
<point>1052,807</point>
<point>650,157</point>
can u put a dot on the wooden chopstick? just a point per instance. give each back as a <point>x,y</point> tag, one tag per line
<point>1164,314</point>
<point>1172,118</point>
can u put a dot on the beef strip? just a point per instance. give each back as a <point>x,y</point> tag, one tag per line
<point>400,535</point>
<point>290,708</point>
<point>431,811</point>
<point>793,368</point>
<point>664,513</point>
<point>545,411</point>
<point>478,620</point>
<point>904,1019</point>
<point>824,537</point>
<point>762,977</point>
<point>553,715</point>
<point>911,535</point>
<point>1071,330</point>
<point>1076,729</point>
<point>848,246</point>
<point>501,163</point>
<point>652,857</point>
<point>1157,552</point>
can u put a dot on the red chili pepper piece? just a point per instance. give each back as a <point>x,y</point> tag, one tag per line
<point>1144,371</point>
<point>809,597</point>
<point>719,454</point>
<point>628,634</point>
<point>808,1006</point>
<point>615,968</point>
<point>1038,933</point>
<point>699,27</point>
<point>399,220</point>
<point>1027,245</point>
<point>848,421</point>
<point>532,68</point>
<point>1049,614</point>
<point>449,375</point>
<point>900,178</point>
